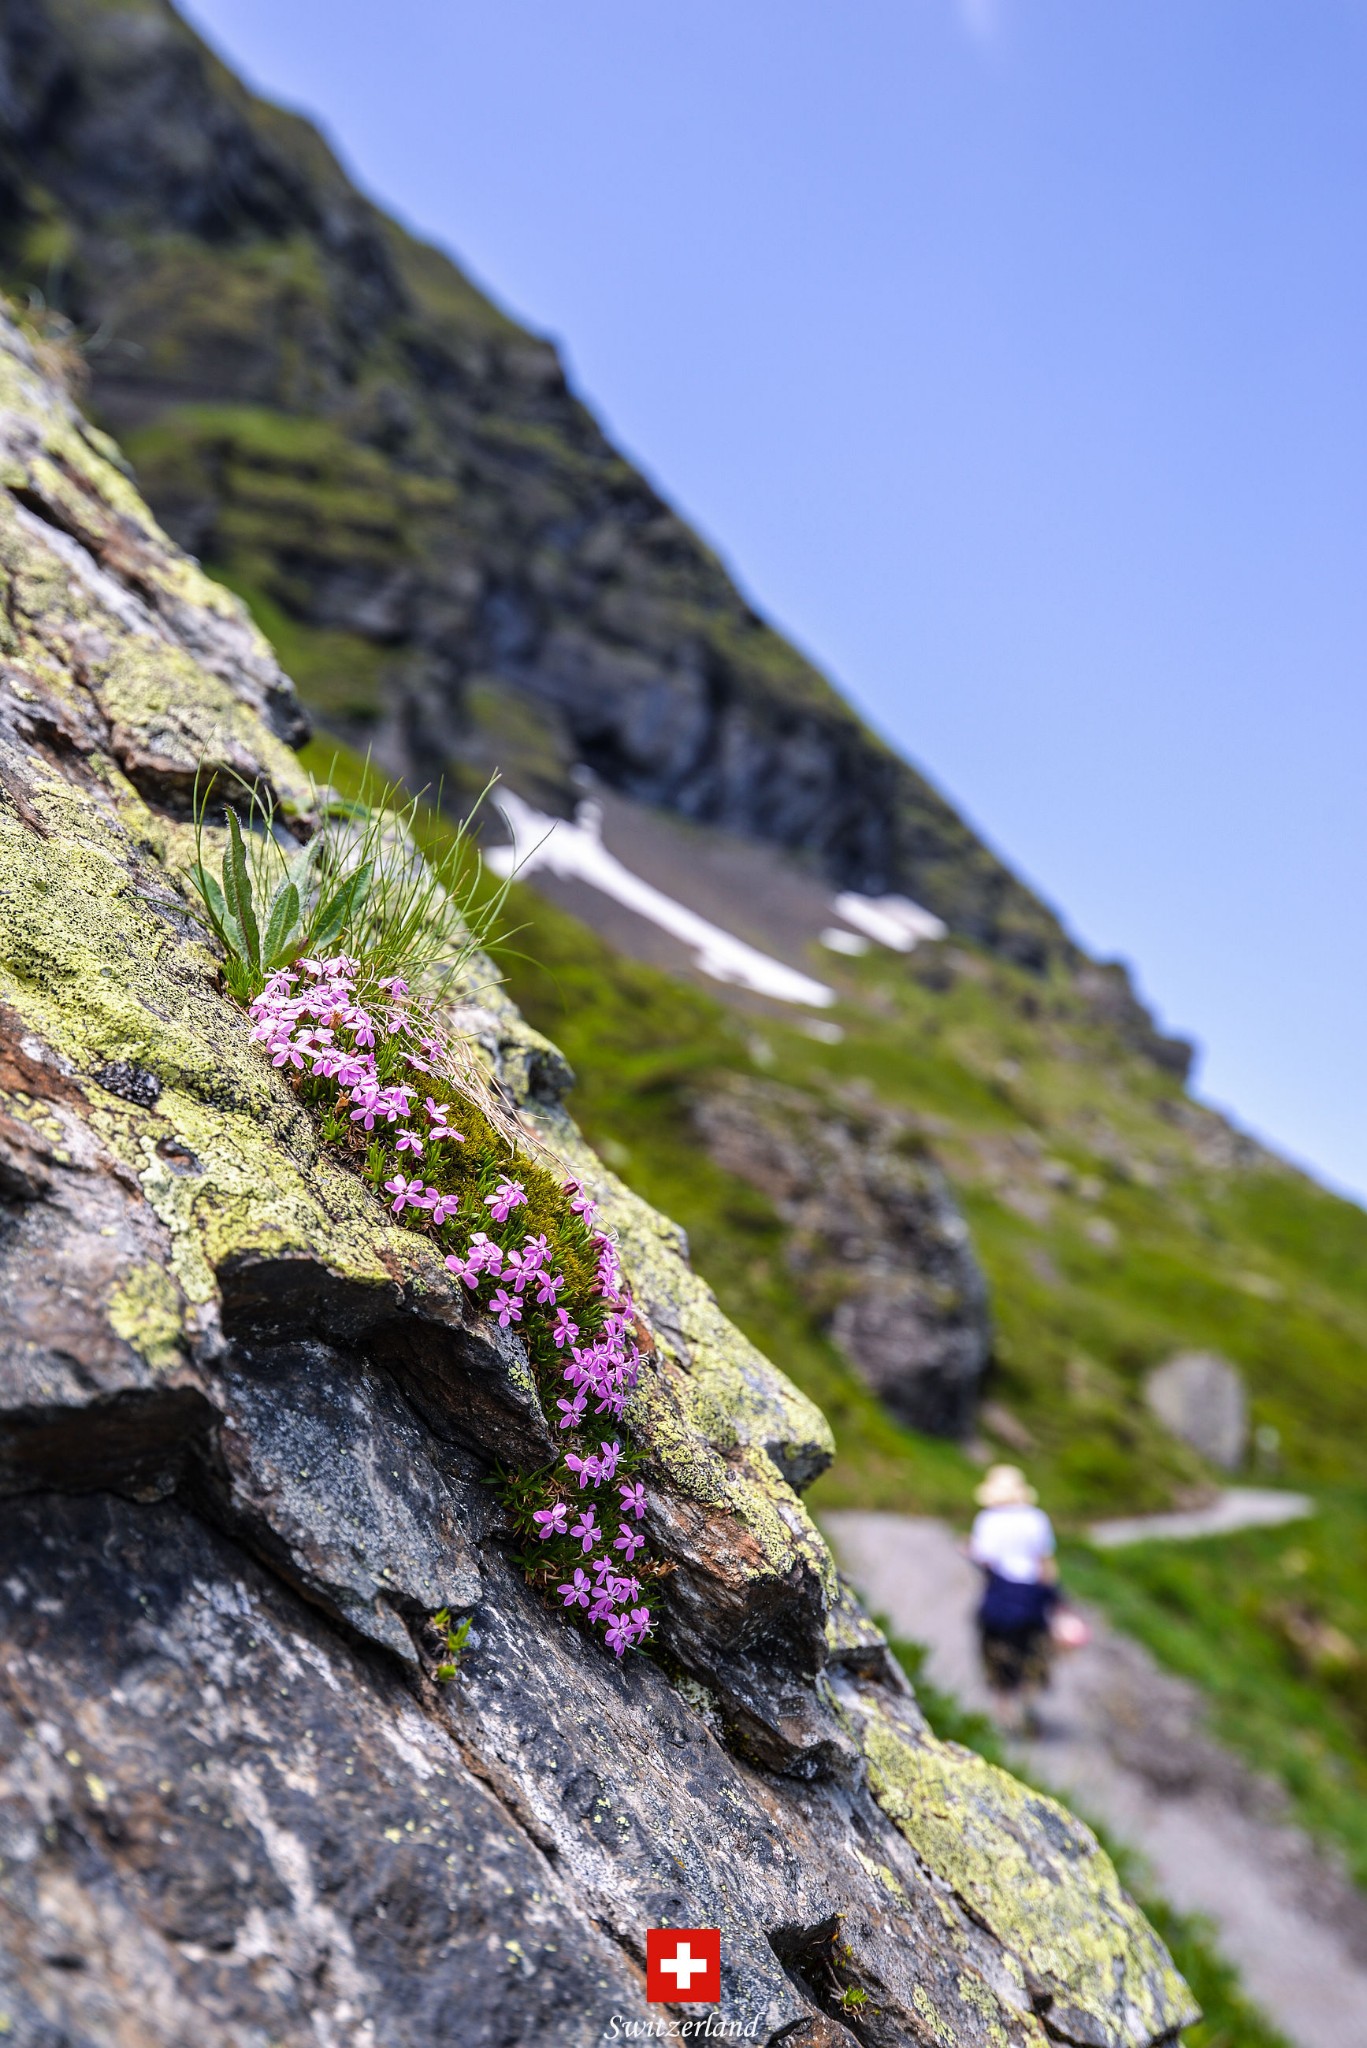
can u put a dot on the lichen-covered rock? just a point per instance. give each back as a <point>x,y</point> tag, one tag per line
<point>245,1425</point>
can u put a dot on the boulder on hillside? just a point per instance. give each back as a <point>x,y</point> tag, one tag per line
<point>1201,1398</point>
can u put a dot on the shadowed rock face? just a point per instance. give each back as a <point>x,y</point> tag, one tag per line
<point>245,1425</point>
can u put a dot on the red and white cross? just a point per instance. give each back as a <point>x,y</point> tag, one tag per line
<point>683,1965</point>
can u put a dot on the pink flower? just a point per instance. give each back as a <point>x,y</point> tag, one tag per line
<point>407,1194</point>
<point>286,1053</point>
<point>394,985</point>
<point>551,1521</point>
<point>588,1470</point>
<point>610,1459</point>
<point>464,1270</point>
<point>628,1541</point>
<point>576,1589</point>
<point>548,1285</point>
<point>444,1206</point>
<point>506,1307</point>
<point>513,1270</point>
<point>565,1331</point>
<point>365,1095</point>
<point>409,1141</point>
<point>437,1111</point>
<point>640,1623</point>
<point>508,1195</point>
<point>586,1529</point>
<point>571,1412</point>
<point>618,1635</point>
<point>633,1498</point>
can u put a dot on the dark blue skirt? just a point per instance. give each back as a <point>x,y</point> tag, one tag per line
<point>1008,1607</point>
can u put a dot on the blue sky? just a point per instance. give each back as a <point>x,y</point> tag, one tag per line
<point>1012,352</point>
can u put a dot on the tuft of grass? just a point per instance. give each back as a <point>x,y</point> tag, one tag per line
<point>453,1637</point>
<point>359,886</point>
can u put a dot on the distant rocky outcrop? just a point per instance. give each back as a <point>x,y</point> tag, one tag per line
<point>462,569</point>
<point>245,1421</point>
<point>876,1240</point>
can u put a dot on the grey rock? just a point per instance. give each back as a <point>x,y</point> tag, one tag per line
<point>1202,1399</point>
<point>330,1472</point>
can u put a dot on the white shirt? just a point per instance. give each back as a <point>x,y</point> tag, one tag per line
<point>1013,1542</point>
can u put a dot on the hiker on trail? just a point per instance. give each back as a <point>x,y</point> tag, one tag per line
<point>1013,1544</point>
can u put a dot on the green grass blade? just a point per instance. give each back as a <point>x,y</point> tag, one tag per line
<point>212,898</point>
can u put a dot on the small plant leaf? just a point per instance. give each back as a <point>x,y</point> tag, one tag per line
<point>340,907</point>
<point>275,947</point>
<point>237,889</point>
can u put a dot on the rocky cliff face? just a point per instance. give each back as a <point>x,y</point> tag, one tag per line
<point>244,1425</point>
<point>463,568</point>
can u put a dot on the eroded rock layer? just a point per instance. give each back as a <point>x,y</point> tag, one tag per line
<point>245,1421</point>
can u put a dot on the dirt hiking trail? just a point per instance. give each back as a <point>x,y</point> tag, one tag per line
<point>1127,1743</point>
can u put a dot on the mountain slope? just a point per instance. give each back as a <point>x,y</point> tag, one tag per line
<point>330,414</point>
<point>461,572</point>
<point>255,1451</point>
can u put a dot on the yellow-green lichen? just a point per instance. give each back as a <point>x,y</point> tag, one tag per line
<point>146,1310</point>
<point>66,465</point>
<point>1023,1867</point>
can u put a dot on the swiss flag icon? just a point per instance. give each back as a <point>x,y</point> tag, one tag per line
<point>683,1965</point>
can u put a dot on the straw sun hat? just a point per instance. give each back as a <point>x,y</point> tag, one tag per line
<point>1006,1486</point>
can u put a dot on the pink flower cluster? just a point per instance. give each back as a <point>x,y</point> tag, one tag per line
<point>604,1371</point>
<point>314,1022</point>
